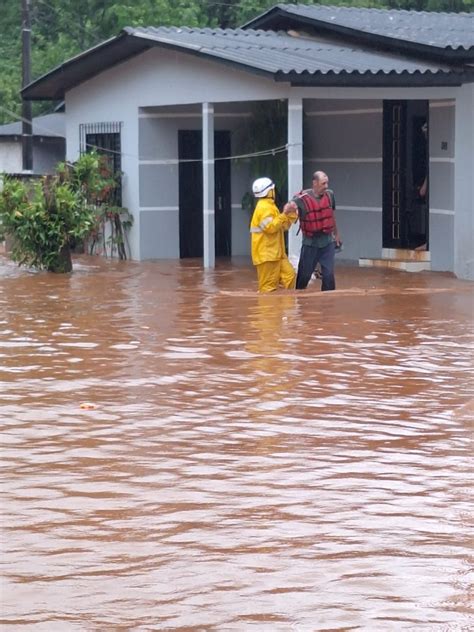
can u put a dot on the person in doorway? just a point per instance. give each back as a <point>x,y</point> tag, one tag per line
<point>422,189</point>
<point>267,229</point>
<point>420,206</point>
<point>316,211</point>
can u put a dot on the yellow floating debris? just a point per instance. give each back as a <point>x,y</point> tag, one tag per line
<point>87,406</point>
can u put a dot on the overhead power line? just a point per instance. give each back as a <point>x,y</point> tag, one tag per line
<point>26,130</point>
<point>270,151</point>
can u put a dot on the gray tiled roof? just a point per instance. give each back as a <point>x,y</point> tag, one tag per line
<point>280,55</point>
<point>440,30</point>
<point>278,52</point>
<point>49,125</point>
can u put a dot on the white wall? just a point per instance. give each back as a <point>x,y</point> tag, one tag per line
<point>441,184</point>
<point>348,145</point>
<point>464,183</point>
<point>11,160</point>
<point>344,139</point>
<point>159,176</point>
<point>156,78</point>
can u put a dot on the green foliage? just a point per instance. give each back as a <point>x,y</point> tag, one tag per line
<point>64,28</point>
<point>244,10</point>
<point>42,217</point>
<point>267,128</point>
<point>113,225</point>
<point>90,176</point>
<point>45,217</point>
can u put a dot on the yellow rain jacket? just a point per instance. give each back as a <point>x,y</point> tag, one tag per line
<point>267,228</point>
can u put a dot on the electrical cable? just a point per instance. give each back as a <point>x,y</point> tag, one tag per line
<point>271,151</point>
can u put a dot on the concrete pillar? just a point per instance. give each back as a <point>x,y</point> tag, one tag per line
<point>208,206</point>
<point>295,166</point>
<point>463,183</point>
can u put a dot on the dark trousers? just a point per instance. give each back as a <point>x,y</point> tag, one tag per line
<point>309,258</point>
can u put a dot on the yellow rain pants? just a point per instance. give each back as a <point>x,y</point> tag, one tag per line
<point>268,246</point>
<point>274,274</point>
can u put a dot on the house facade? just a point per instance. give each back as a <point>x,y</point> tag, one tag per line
<point>49,144</point>
<point>176,109</point>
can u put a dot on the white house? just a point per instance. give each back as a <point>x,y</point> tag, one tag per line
<point>49,144</point>
<point>361,87</point>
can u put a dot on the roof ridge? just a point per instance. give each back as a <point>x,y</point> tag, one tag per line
<point>352,8</point>
<point>203,29</point>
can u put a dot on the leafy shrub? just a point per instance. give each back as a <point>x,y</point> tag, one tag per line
<point>44,218</point>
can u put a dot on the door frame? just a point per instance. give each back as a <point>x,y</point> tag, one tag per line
<point>191,194</point>
<point>405,213</point>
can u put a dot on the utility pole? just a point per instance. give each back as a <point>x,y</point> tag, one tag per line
<point>26,129</point>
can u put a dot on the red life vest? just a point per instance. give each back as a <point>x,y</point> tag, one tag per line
<point>318,215</point>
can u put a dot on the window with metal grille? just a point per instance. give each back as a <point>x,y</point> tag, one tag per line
<point>104,138</point>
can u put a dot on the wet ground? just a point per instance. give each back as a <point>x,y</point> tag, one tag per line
<point>292,462</point>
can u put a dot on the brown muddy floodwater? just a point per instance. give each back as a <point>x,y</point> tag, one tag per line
<point>292,462</point>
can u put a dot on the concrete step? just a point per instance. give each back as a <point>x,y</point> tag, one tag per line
<point>406,255</point>
<point>408,265</point>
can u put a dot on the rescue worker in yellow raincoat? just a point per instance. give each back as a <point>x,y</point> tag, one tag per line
<point>268,245</point>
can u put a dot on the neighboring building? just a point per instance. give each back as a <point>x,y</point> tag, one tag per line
<point>362,86</point>
<point>49,144</point>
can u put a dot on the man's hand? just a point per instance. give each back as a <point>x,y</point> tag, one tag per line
<point>289,208</point>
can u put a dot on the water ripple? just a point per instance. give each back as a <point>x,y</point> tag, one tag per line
<point>280,463</point>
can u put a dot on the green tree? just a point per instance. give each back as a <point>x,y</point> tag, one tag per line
<point>267,128</point>
<point>44,218</point>
<point>64,28</point>
<point>10,61</point>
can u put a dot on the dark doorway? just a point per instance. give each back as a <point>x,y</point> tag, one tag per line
<point>405,174</point>
<point>191,194</point>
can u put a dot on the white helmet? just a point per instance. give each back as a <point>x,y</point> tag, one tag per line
<point>262,186</point>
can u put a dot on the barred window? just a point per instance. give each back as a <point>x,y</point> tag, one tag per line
<point>105,139</point>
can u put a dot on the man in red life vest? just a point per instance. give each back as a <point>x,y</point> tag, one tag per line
<point>316,211</point>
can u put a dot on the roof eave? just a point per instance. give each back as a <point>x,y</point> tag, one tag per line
<point>53,85</point>
<point>263,18</point>
<point>380,79</point>
<point>44,137</point>
<point>50,86</point>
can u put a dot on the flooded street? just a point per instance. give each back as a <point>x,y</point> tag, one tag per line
<point>291,462</point>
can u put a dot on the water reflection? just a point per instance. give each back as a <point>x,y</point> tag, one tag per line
<point>295,461</point>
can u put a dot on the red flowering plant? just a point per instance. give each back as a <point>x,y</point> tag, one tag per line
<point>94,174</point>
